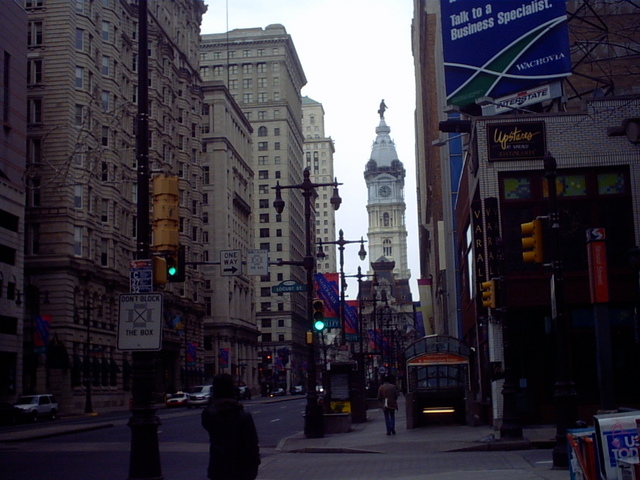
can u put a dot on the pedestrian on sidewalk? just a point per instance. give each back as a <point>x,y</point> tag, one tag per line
<point>388,398</point>
<point>234,453</point>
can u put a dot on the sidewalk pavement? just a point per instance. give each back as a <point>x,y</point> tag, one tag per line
<point>370,436</point>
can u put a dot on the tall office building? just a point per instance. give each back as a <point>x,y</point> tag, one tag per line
<point>13,23</point>
<point>82,192</point>
<point>318,154</point>
<point>230,333</point>
<point>261,69</point>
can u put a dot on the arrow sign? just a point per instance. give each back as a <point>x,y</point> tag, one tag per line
<point>230,262</point>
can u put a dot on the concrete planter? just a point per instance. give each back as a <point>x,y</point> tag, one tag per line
<point>337,423</point>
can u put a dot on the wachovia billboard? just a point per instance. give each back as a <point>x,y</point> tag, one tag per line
<point>495,47</point>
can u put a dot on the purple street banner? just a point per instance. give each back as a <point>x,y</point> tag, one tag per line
<point>327,291</point>
<point>224,357</point>
<point>493,48</point>
<point>191,353</point>
<point>351,321</point>
<point>41,333</point>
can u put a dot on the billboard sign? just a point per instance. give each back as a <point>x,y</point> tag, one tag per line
<point>493,48</point>
<point>516,141</point>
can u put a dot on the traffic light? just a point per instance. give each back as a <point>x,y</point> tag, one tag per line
<point>532,250</point>
<point>159,270</point>
<point>318,315</point>
<point>166,222</point>
<point>488,290</point>
<point>175,266</point>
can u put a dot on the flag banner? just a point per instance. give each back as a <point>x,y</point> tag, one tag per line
<point>326,289</point>
<point>419,322</point>
<point>351,321</point>
<point>41,333</point>
<point>426,305</point>
<point>224,357</point>
<point>191,353</point>
<point>375,340</point>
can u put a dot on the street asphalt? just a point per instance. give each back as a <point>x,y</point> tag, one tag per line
<point>438,452</point>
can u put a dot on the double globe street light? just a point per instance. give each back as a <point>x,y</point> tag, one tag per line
<point>313,419</point>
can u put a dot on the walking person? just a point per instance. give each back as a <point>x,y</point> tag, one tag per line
<point>234,453</point>
<point>388,398</point>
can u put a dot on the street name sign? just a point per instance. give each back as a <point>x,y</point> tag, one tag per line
<point>230,262</point>
<point>141,276</point>
<point>140,322</point>
<point>288,286</point>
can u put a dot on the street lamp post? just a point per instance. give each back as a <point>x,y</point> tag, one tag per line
<point>313,419</point>
<point>564,389</point>
<point>341,242</point>
<point>144,455</point>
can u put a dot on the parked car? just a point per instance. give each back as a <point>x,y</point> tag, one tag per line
<point>178,399</point>
<point>244,393</point>
<point>9,414</point>
<point>278,392</point>
<point>297,390</point>
<point>36,406</point>
<point>199,396</point>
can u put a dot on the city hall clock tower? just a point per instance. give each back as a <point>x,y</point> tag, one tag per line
<point>384,175</point>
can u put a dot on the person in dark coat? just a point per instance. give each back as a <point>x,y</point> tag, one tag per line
<point>388,398</point>
<point>234,453</point>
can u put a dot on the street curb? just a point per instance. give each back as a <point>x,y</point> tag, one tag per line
<point>26,436</point>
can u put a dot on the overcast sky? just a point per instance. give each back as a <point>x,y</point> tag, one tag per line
<point>354,54</point>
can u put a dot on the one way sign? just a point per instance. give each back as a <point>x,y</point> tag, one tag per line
<point>230,262</point>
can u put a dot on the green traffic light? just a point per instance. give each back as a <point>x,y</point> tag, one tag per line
<point>172,271</point>
<point>318,325</point>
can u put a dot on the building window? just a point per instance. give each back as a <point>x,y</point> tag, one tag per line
<point>262,97</point>
<point>233,69</point>
<point>263,203</point>
<point>276,146</point>
<point>105,31</point>
<point>247,97</point>
<point>263,174</point>
<point>34,151</point>
<point>263,160</point>
<point>35,110</point>
<point>34,72</point>
<point>34,34</point>
<point>247,68</point>
<point>247,83</point>
<point>264,218</point>
<point>79,116</point>
<point>105,66</point>
<point>77,196</point>
<point>77,241</point>
<point>264,233</point>
<point>79,77</point>
<point>387,250</point>
<point>105,97</point>
<point>105,136</point>
<point>262,146</point>
<point>262,131</point>
<point>79,39</point>
<point>104,210</point>
<point>263,189</point>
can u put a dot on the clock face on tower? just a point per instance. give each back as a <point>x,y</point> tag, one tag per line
<point>384,191</point>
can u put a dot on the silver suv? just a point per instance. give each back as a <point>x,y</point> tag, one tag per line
<point>34,406</point>
<point>199,396</point>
